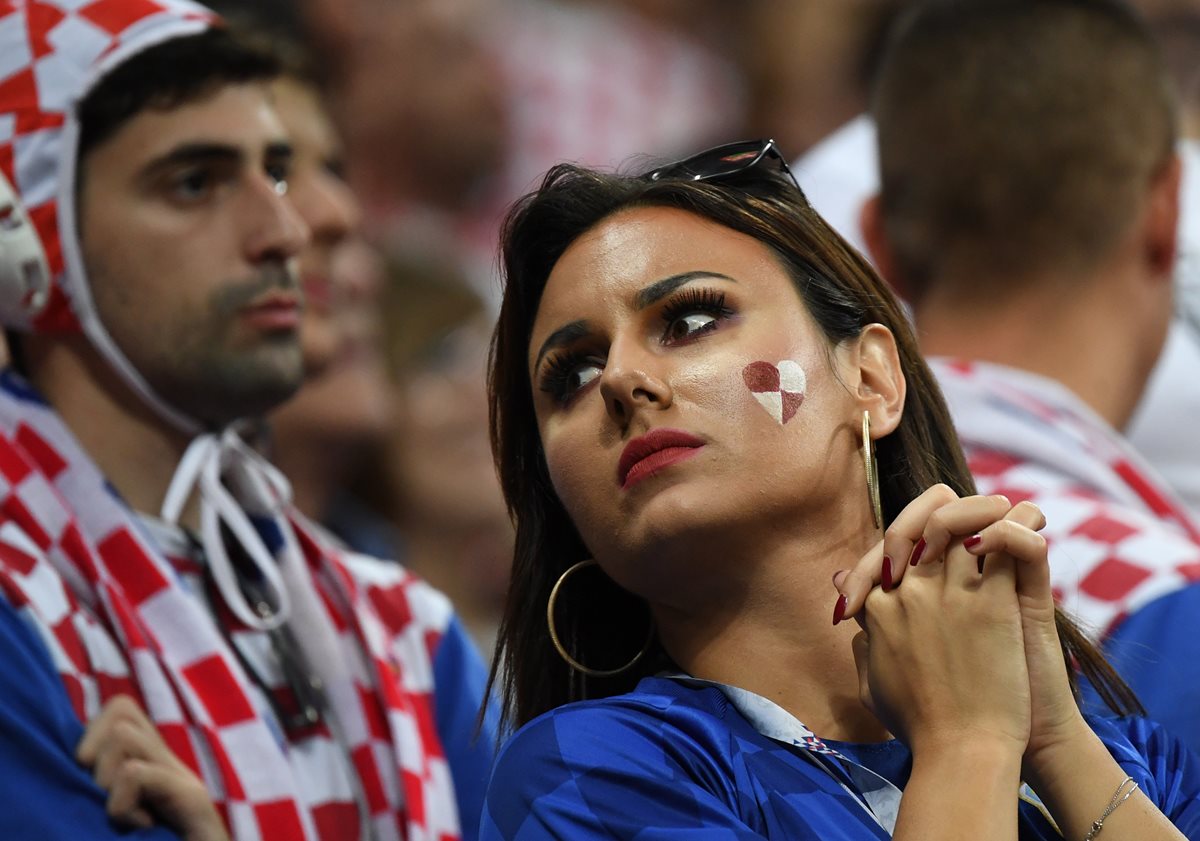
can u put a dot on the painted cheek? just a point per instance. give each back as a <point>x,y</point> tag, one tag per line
<point>778,387</point>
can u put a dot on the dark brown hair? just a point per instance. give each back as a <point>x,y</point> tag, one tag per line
<point>1016,138</point>
<point>602,628</point>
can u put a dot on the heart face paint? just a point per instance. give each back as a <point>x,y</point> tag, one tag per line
<point>778,388</point>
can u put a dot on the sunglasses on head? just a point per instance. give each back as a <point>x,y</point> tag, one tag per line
<point>725,160</point>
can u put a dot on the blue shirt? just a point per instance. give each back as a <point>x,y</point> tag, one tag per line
<point>47,794</point>
<point>677,761</point>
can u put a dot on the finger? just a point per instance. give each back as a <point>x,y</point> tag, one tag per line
<point>124,798</point>
<point>960,519</point>
<point>905,532</point>
<point>127,740</point>
<point>119,708</point>
<point>1026,547</point>
<point>856,583</point>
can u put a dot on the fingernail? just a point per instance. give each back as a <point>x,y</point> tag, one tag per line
<point>972,541</point>
<point>917,552</point>
<point>885,576</point>
<point>839,610</point>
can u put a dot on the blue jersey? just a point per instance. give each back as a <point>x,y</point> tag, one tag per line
<point>672,760</point>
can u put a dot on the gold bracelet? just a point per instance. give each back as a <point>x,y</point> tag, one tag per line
<point>1117,800</point>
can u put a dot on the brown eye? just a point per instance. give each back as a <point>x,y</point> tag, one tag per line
<point>689,325</point>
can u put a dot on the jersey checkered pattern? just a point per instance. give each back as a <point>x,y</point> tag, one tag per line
<point>50,52</point>
<point>1118,538</point>
<point>117,618</point>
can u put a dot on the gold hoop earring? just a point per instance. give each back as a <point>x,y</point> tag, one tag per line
<point>561,649</point>
<point>872,468</point>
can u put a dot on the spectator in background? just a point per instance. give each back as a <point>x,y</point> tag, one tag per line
<point>320,694</point>
<point>432,476</point>
<point>1029,212</point>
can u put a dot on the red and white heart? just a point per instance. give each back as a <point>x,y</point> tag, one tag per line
<point>779,388</point>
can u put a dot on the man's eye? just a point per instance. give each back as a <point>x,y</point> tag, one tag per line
<point>192,185</point>
<point>278,173</point>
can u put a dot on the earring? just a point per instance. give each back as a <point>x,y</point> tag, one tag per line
<point>872,468</point>
<point>562,651</point>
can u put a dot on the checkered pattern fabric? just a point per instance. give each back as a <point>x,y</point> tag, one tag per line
<point>51,52</point>
<point>1118,538</point>
<point>117,618</point>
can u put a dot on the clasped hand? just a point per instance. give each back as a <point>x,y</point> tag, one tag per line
<point>959,642</point>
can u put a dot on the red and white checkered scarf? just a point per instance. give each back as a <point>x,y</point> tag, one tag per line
<point>118,619</point>
<point>1118,537</point>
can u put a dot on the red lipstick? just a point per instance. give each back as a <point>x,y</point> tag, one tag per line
<point>646,455</point>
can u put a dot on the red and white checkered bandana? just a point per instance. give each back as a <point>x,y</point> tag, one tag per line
<point>118,619</point>
<point>1118,537</point>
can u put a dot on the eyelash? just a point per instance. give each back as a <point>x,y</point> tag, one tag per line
<point>561,366</point>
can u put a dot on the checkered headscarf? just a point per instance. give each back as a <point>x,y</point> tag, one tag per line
<point>52,53</point>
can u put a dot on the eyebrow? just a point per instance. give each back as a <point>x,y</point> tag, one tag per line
<point>561,337</point>
<point>646,297</point>
<point>198,153</point>
<point>660,289</point>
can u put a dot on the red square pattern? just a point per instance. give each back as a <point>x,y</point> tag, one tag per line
<point>1113,579</point>
<point>139,576</point>
<point>368,773</point>
<point>1104,529</point>
<point>43,455</point>
<point>115,16</point>
<point>279,820</point>
<point>220,693</point>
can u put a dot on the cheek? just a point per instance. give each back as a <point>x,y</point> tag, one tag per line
<point>751,392</point>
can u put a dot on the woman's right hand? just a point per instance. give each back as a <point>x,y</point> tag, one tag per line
<point>941,660</point>
<point>146,782</point>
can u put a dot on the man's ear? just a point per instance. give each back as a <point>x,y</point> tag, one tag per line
<point>870,221</point>
<point>1160,222</point>
<point>881,384</point>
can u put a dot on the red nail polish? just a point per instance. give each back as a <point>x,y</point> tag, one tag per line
<point>973,540</point>
<point>885,575</point>
<point>839,610</point>
<point>917,552</point>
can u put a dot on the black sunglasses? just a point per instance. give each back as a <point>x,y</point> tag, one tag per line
<point>725,160</point>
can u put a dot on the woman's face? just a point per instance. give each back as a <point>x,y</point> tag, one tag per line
<point>686,400</point>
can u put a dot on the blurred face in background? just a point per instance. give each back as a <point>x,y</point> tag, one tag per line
<point>345,393</point>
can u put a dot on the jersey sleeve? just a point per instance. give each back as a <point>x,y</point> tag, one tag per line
<point>1157,651</point>
<point>1165,768</point>
<point>600,773</point>
<point>48,795</point>
<point>460,681</point>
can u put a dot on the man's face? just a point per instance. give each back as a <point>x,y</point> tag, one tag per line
<point>188,242</point>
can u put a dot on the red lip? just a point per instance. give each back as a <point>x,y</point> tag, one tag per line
<point>649,453</point>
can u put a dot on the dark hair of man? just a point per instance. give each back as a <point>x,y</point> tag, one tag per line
<point>170,74</point>
<point>599,623</point>
<point>1016,138</point>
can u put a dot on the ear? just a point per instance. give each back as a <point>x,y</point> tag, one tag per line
<point>881,384</point>
<point>1160,223</point>
<point>870,221</point>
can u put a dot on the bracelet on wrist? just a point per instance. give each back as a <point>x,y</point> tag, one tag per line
<point>1120,796</point>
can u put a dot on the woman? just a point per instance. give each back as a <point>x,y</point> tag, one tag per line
<point>690,374</point>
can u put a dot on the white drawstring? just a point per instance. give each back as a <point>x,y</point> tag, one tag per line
<point>205,461</point>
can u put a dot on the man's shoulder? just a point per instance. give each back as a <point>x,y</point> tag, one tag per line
<point>398,592</point>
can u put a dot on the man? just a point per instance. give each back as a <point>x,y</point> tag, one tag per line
<point>1028,211</point>
<point>152,303</point>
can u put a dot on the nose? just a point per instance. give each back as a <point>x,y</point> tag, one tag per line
<point>328,207</point>
<point>630,384</point>
<point>275,232</point>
